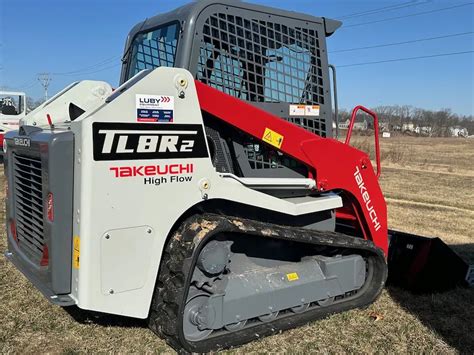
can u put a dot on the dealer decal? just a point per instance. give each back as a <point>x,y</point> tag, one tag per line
<point>154,108</point>
<point>135,141</point>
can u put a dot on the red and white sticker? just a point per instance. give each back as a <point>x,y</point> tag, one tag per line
<point>311,110</point>
<point>297,110</point>
<point>304,110</point>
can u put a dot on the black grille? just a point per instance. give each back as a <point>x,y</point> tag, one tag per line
<point>28,197</point>
<point>263,61</point>
<point>262,157</point>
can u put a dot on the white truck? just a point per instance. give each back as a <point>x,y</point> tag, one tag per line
<point>12,110</point>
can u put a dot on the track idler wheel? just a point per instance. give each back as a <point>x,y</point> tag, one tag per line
<point>196,313</point>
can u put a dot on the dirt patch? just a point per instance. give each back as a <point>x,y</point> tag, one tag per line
<point>206,227</point>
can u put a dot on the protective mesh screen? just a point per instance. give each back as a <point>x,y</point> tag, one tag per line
<point>154,49</point>
<point>260,157</point>
<point>263,61</point>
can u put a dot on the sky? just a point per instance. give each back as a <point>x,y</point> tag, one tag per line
<point>84,39</point>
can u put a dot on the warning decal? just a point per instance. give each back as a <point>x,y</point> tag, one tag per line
<point>76,252</point>
<point>297,110</point>
<point>304,110</point>
<point>154,108</point>
<point>273,138</point>
<point>312,110</point>
<point>292,276</point>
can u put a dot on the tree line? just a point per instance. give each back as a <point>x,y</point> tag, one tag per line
<point>393,118</point>
<point>396,117</point>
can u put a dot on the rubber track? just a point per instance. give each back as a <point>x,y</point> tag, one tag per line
<point>178,263</point>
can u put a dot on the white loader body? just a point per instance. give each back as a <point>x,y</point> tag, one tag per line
<point>87,95</point>
<point>123,221</point>
<point>134,180</point>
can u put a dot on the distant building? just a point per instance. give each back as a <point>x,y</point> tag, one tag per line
<point>458,131</point>
<point>410,127</point>
<point>358,126</point>
<point>424,130</point>
<point>384,127</point>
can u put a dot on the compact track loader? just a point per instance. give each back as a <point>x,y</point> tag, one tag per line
<point>206,192</point>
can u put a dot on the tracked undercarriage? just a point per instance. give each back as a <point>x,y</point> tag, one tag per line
<point>218,290</point>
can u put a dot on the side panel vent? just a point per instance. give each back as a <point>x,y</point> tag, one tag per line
<point>28,197</point>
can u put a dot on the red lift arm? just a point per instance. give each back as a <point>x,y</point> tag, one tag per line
<point>334,165</point>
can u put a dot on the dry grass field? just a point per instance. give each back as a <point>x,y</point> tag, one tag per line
<point>429,186</point>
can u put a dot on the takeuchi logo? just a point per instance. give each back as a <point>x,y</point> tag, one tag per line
<point>366,197</point>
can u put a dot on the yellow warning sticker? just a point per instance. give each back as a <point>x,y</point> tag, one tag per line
<point>273,138</point>
<point>76,251</point>
<point>292,276</point>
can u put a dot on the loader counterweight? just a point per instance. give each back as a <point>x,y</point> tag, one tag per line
<point>205,193</point>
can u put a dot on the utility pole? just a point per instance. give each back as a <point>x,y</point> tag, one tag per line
<point>44,79</point>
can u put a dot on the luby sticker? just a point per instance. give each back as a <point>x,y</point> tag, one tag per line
<point>154,108</point>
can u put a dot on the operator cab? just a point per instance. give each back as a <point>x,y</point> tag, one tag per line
<point>271,58</point>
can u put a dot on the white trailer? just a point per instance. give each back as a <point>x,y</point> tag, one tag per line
<point>12,110</point>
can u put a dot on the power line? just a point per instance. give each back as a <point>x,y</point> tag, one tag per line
<point>27,84</point>
<point>26,87</point>
<point>403,59</point>
<point>356,14</point>
<point>95,71</point>
<point>45,78</point>
<point>405,42</point>
<point>383,9</point>
<point>409,15</point>
<point>88,68</point>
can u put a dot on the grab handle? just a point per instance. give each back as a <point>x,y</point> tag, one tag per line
<point>376,132</point>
